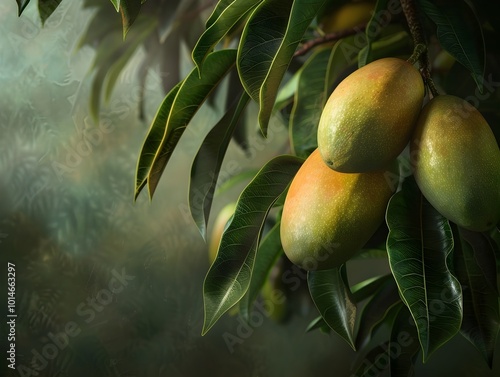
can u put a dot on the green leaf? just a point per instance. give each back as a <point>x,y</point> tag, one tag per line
<point>116,4</point>
<point>46,8</point>
<point>21,5</point>
<point>229,276</point>
<point>419,244</point>
<point>286,92</point>
<point>368,287</point>
<point>207,164</point>
<point>334,300</point>
<point>455,37</point>
<point>267,45</point>
<point>318,323</point>
<point>310,98</point>
<point>129,10</point>
<point>267,254</point>
<point>191,95</point>
<point>365,55</point>
<point>376,310</point>
<point>153,140</point>
<point>476,267</point>
<point>225,19</point>
<point>245,175</point>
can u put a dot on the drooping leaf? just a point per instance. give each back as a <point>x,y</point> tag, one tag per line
<point>21,5</point>
<point>334,300</point>
<point>153,140</point>
<point>229,276</point>
<point>476,267</point>
<point>376,310</point>
<point>419,245</point>
<point>240,133</point>
<point>190,96</point>
<point>455,36</point>
<point>372,31</point>
<point>267,45</point>
<point>46,8</point>
<point>268,252</point>
<point>207,164</point>
<point>224,21</point>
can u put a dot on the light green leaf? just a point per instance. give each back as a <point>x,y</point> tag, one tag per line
<point>229,276</point>
<point>455,36</point>
<point>225,19</point>
<point>116,4</point>
<point>46,8</point>
<point>334,300</point>
<point>267,45</point>
<point>191,95</point>
<point>285,94</point>
<point>318,323</point>
<point>419,245</point>
<point>207,164</point>
<point>267,254</point>
<point>365,55</point>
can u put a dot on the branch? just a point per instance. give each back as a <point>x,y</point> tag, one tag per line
<point>328,38</point>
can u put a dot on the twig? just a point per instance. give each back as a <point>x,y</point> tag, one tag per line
<point>329,38</point>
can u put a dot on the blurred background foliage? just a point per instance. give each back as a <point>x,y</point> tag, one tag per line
<point>76,103</point>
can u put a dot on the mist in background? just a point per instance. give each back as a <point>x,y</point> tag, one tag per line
<point>106,286</point>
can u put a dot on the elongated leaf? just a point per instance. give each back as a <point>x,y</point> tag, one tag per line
<point>419,246</point>
<point>244,176</point>
<point>207,164</point>
<point>368,287</point>
<point>268,252</point>
<point>240,136</point>
<point>191,95</point>
<point>218,28</point>
<point>455,36</point>
<point>372,31</point>
<point>229,276</point>
<point>375,310</point>
<point>318,323</point>
<point>404,347</point>
<point>46,8</point>
<point>334,301</point>
<point>116,4</point>
<point>153,140</point>
<point>219,8</point>
<point>310,98</point>
<point>267,45</point>
<point>481,320</point>
<point>285,94</point>
<point>129,10</point>
<point>21,5</point>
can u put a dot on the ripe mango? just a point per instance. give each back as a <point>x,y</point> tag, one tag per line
<point>328,216</point>
<point>347,16</point>
<point>368,119</point>
<point>457,162</point>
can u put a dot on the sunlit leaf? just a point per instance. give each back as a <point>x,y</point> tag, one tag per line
<point>455,36</point>
<point>334,301</point>
<point>192,93</point>
<point>207,164</point>
<point>267,45</point>
<point>419,245</point>
<point>476,268</point>
<point>229,276</point>
<point>267,254</point>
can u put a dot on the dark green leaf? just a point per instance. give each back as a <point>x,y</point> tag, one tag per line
<point>267,254</point>
<point>129,10</point>
<point>368,287</point>
<point>455,37</point>
<point>267,45</point>
<point>419,246</point>
<point>334,301</point>
<point>229,276</point>
<point>224,20</point>
<point>373,29</point>
<point>46,8</point>
<point>21,5</point>
<point>116,4</point>
<point>207,164</point>
<point>191,95</point>
<point>476,267</point>
<point>240,133</point>
<point>376,310</point>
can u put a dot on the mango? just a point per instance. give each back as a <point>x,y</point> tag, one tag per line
<point>456,163</point>
<point>347,16</point>
<point>369,118</point>
<point>328,216</point>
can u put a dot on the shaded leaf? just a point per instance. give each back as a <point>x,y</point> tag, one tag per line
<point>419,246</point>
<point>245,175</point>
<point>365,55</point>
<point>334,301</point>
<point>286,92</point>
<point>267,45</point>
<point>455,37</point>
<point>21,5</point>
<point>129,10</point>
<point>229,276</point>
<point>221,21</point>
<point>207,164</point>
<point>481,319</point>
<point>191,95</point>
<point>116,4</point>
<point>267,254</point>
<point>46,8</point>
<point>240,132</point>
<point>318,323</point>
<point>368,287</point>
